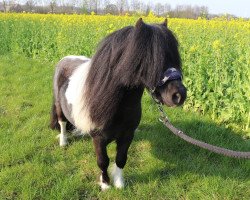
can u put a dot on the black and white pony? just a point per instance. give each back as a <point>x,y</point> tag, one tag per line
<point>102,96</point>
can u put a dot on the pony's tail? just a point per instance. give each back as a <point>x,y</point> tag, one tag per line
<point>53,118</point>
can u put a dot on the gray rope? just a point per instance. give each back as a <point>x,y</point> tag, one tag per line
<point>226,152</point>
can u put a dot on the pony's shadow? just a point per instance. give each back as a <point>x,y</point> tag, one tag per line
<point>180,157</point>
<point>76,138</point>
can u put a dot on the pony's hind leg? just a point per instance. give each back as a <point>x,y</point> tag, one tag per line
<point>62,121</point>
<point>53,117</point>
<point>63,135</point>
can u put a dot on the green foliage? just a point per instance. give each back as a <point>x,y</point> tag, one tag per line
<point>215,54</point>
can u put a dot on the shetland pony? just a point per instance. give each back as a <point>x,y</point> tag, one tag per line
<point>102,96</point>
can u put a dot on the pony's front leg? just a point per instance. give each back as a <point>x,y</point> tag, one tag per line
<point>100,144</point>
<point>123,144</point>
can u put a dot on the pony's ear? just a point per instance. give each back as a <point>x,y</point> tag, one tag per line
<point>139,23</point>
<point>165,23</point>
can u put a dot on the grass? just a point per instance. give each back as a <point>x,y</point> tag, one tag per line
<point>160,165</point>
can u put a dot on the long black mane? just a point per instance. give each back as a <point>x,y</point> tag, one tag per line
<point>131,57</point>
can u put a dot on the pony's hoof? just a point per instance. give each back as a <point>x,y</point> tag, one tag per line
<point>63,144</point>
<point>119,184</point>
<point>117,177</point>
<point>104,186</point>
<point>62,140</point>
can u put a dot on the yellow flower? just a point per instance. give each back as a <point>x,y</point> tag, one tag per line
<point>193,49</point>
<point>217,45</point>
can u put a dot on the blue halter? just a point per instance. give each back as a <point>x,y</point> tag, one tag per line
<point>169,75</point>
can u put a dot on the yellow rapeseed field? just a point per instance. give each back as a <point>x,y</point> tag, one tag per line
<point>215,53</point>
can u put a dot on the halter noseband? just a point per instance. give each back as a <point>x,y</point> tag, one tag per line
<point>169,75</point>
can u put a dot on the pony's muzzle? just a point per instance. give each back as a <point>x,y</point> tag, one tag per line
<point>176,98</point>
<point>180,96</point>
<point>173,94</point>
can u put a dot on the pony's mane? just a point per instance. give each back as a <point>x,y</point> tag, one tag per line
<point>128,58</point>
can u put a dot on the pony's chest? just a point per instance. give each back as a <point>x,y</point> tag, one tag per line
<point>128,114</point>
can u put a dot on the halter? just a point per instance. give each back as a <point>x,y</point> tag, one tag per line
<point>169,75</point>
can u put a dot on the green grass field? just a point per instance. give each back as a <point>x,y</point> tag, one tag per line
<point>160,165</point>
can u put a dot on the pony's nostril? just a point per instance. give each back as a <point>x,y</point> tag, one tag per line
<point>176,98</point>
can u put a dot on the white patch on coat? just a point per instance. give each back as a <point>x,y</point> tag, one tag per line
<point>62,136</point>
<point>78,133</point>
<point>76,57</point>
<point>104,186</point>
<point>117,177</point>
<point>75,96</point>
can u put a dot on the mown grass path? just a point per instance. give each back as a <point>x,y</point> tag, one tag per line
<point>160,165</point>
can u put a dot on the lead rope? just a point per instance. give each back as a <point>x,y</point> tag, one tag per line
<point>226,152</point>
